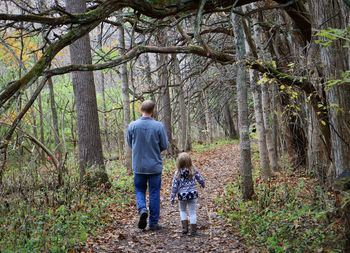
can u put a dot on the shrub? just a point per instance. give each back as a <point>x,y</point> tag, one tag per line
<point>285,216</point>
<point>59,220</point>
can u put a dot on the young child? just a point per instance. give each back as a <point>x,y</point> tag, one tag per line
<point>184,186</point>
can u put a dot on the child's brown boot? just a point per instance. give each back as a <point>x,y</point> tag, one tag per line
<point>184,226</point>
<point>193,230</point>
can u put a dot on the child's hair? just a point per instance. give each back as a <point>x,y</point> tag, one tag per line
<point>184,161</point>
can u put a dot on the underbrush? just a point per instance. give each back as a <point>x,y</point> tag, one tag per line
<point>203,147</point>
<point>58,220</point>
<point>288,214</point>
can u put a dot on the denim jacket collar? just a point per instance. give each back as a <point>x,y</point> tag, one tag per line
<point>146,118</point>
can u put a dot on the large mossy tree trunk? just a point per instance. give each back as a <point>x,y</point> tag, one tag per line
<point>242,101</point>
<point>88,130</point>
<point>336,60</point>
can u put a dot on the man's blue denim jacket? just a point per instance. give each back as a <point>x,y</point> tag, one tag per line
<point>147,138</point>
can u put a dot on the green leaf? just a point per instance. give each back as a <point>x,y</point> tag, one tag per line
<point>83,236</point>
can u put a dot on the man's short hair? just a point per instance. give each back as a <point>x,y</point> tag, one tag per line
<point>147,106</point>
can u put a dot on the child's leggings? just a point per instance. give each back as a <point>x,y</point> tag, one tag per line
<point>191,204</point>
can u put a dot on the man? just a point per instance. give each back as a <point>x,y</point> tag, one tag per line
<point>147,138</point>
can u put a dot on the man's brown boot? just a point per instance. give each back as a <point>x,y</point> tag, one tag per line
<point>184,226</point>
<point>193,229</point>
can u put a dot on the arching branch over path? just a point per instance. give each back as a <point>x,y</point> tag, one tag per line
<point>84,23</point>
<point>223,58</point>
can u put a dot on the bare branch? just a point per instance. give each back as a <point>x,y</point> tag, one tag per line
<point>75,33</point>
<point>138,50</point>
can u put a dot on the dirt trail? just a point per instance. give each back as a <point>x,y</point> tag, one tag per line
<point>218,167</point>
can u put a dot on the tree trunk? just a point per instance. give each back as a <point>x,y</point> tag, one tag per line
<point>242,101</point>
<point>73,125</point>
<point>183,118</point>
<point>317,156</point>
<point>103,93</point>
<point>259,120</point>
<point>336,60</point>
<point>265,102</point>
<point>132,83</point>
<point>166,106</point>
<point>182,104</point>
<point>150,82</point>
<point>89,139</point>
<point>58,148</point>
<point>208,121</point>
<point>33,115</point>
<point>188,141</point>
<point>202,123</point>
<point>274,130</point>
<point>41,125</point>
<point>267,115</point>
<point>232,133</point>
<point>188,115</point>
<point>55,125</point>
<point>126,102</point>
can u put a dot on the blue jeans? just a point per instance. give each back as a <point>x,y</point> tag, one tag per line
<point>154,183</point>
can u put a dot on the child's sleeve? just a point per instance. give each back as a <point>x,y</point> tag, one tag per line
<point>174,188</point>
<point>200,179</point>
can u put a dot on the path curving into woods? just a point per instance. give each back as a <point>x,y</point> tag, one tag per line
<point>219,166</point>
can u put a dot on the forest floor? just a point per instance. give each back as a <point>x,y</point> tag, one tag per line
<point>219,166</point>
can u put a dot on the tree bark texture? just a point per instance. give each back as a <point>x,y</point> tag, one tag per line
<point>335,58</point>
<point>41,125</point>
<point>263,95</point>
<point>89,139</point>
<point>126,102</point>
<point>182,104</point>
<point>259,120</point>
<point>267,116</point>
<point>208,119</point>
<point>54,118</point>
<point>317,156</point>
<point>166,105</point>
<point>58,148</point>
<point>105,125</point>
<point>242,101</point>
<point>231,130</point>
